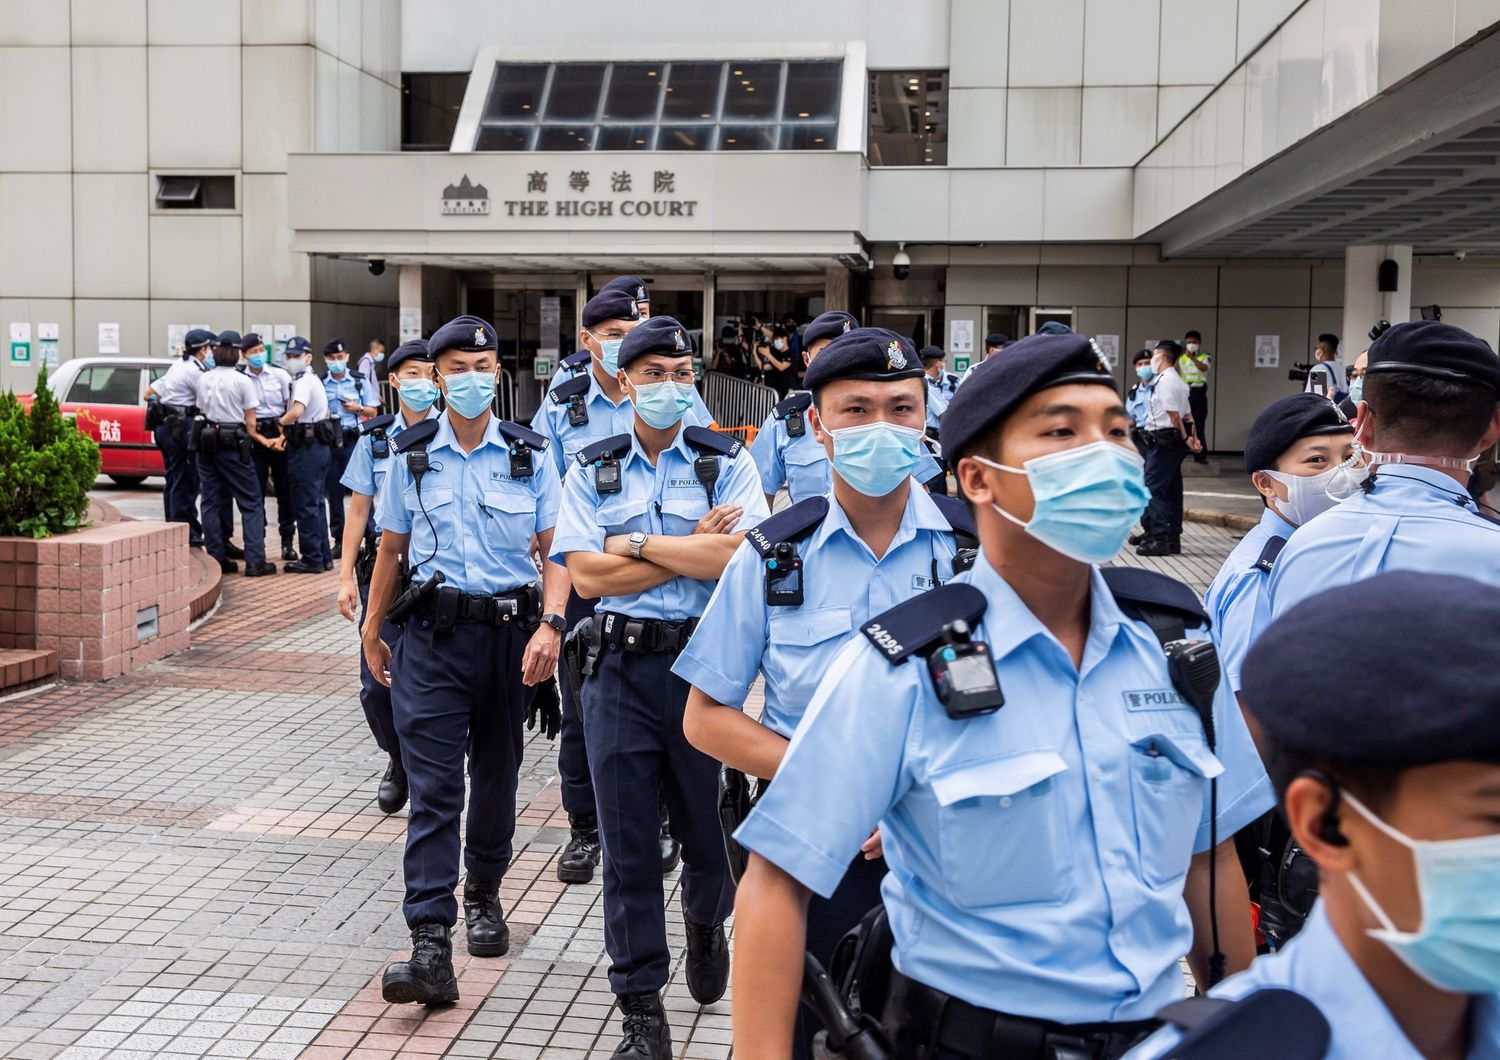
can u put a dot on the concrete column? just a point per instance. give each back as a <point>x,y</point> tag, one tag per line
<point>409,298</point>
<point>1364,302</point>
<point>835,289</point>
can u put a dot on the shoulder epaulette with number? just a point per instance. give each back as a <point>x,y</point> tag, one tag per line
<point>1268,554</point>
<point>791,404</point>
<point>789,524</point>
<point>1220,1028</point>
<point>516,432</point>
<point>418,435</point>
<point>563,392</point>
<point>1138,586</point>
<point>707,440</point>
<point>377,423</point>
<point>616,445</point>
<point>918,623</point>
<point>574,362</point>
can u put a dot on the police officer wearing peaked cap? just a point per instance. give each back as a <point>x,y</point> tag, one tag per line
<point>465,500</point>
<point>649,520</point>
<point>309,436</point>
<point>350,398</point>
<point>1388,771</point>
<point>1431,407</point>
<point>1046,790</point>
<point>270,464</point>
<point>811,575</point>
<point>173,399</point>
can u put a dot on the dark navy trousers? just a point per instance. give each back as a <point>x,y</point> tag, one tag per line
<point>224,477</point>
<point>572,748</point>
<point>307,471</point>
<point>452,692</point>
<point>180,498</point>
<point>274,466</point>
<point>338,462</point>
<point>1163,515</point>
<point>374,697</point>
<point>830,919</point>
<point>632,719</point>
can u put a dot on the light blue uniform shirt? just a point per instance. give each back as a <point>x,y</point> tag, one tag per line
<point>843,587</point>
<point>1316,965</point>
<point>1138,405</point>
<point>801,464</point>
<point>352,385</point>
<point>479,521</point>
<point>665,499</point>
<point>1239,600</point>
<point>1416,518</point>
<point>365,474</point>
<point>1037,855</point>
<point>937,401</point>
<point>606,419</point>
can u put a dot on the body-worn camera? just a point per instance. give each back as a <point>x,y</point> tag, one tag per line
<point>380,445</point>
<point>784,576</point>
<point>520,461</point>
<point>963,674</point>
<point>607,476</point>
<point>796,425</point>
<point>578,412</point>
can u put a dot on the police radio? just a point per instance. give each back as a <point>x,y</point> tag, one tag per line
<point>607,476</point>
<point>706,468</point>
<point>380,445</point>
<point>784,576</point>
<point>963,674</point>
<point>578,412</point>
<point>796,424</point>
<point>520,461</point>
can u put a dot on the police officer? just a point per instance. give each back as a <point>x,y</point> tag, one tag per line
<point>635,288</point>
<point>350,399</point>
<point>275,391</point>
<point>649,520</point>
<point>1431,406</point>
<point>1045,778</point>
<point>1193,365</point>
<point>941,386</point>
<point>994,342</point>
<point>1389,773</point>
<point>225,434</point>
<point>465,501</point>
<point>310,435</point>
<point>1169,437</point>
<point>812,574</point>
<point>411,380</point>
<point>172,401</point>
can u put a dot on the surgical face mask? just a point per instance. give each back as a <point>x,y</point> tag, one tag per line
<point>1312,495</point>
<point>1144,371</point>
<point>257,360</point>
<point>418,394</point>
<point>877,457</point>
<point>662,404</point>
<point>338,368</point>
<point>1457,945</point>
<point>379,356</point>
<point>1086,499</point>
<point>1357,390</point>
<point>779,344</point>
<point>609,354</point>
<point>296,365</point>
<point>470,393</point>
<point>1192,347</point>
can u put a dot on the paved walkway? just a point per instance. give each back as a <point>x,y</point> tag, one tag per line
<point>192,864</point>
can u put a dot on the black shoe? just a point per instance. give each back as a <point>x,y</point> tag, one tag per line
<point>581,856</point>
<point>229,566</point>
<point>428,977</point>
<point>233,551</point>
<point>259,570</point>
<point>288,553</point>
<point>707,961</point>
<point>338,551</point>
<point>393,790</point>
<point>1158,546</point>
<point>671,850</point>
<point>302,566</point>
<point>195,542</point>
<point>647,1035</point>
<point>327,567</point>
<point>1138,539</point>
<point>489,934</point>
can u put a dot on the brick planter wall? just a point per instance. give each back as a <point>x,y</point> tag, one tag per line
<point>85,595</point>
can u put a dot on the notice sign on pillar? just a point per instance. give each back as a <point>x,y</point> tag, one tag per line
<point>960,336</point>
<point>20,342</point>
<point>411,323</point>
<point>109,337</point>
<point>548,333</point>
<point>1268,351</point>
<point>1109,349</point>
<point>48,336</point>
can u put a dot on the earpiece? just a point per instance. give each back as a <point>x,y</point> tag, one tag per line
<point>1328,827</point>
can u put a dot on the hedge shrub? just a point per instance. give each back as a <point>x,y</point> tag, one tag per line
<point>47,466</point>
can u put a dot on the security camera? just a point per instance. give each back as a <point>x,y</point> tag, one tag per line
<point>377,266</point>
<point>901,263</point>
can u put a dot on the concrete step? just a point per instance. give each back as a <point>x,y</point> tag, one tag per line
<point>23,668</point>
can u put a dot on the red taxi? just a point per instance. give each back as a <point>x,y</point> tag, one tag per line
<point>107,396</point>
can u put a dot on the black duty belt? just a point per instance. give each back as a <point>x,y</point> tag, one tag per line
<point>350,433</point>
<point>449,606</point>
<point>640,635</point>
<point>268,426</point>
<point>1166,433</point>
<point>922,1016</point>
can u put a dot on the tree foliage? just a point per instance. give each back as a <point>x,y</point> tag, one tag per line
<point>47,466</point>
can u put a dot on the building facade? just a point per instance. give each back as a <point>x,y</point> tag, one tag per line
<point>1136,168</point>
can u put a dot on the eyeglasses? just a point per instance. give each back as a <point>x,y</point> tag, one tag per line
<point>656,375</point>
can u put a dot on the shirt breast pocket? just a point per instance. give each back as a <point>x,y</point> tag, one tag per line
<point>514,514</point>
<point>1168,774</point>
<point>435,507</point>
<point>620,514</point>
<point>807,473</point>
<point>802,643</point>
<point>679,514</point>
<point>1003,831</point>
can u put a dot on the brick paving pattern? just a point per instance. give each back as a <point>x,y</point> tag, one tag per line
<point>192,864</point>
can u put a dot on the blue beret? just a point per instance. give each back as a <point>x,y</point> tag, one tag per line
<point>333,346</point>
<point>932,353</point>
<point>250,341</point>
<point>633,286</point>
<point>864,353</point>
<point>999,384</point>
<point>198,338</point>
<point>610,305</point>
<point>1284,421</point>
<point>228,338</point>
<point>1427,694</point>
<point>996,338</point>
<point>467,333</point>
<point>657,335</point>
<point>1054,327</point>
<point>827,326</point>
<point>1438,350</point>
<point>297,346</point>
<point>414,350</point>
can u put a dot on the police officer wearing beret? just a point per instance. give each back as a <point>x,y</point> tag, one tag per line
<point>350,399</point>
<point>581,410</point>
<point>1431,406</point>
<point>635,288</point>
<point>994,343</point>
<point>808,577</point>
<point>172,402</point>
<point>1049,783</point>
<point>649,520</point>
<point>309,435</point>
<point>410,374</point>
<point>271,464</point>
<point>1388,771</point>
<point>461,509</point>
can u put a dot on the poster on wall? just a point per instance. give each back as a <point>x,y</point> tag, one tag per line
<point>109,337</point>
<point>48,335</point>
<point>1109,349</point>
<point>960,336</point>
<point>1267,351</point>
<point>411,323</point>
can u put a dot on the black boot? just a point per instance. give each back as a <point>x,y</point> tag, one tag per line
<point>671,850</point>
<point>581,856</point>
<point>647,1034</point>
<point>1174,545</point>
<point>233,551</point>
<point>707,963</point>
<point>1138,539</point>
<point>288,553</point>
<point>1158,546</point>
<point>393,791</point>
<point>428,977</point>
<point>489,934</point>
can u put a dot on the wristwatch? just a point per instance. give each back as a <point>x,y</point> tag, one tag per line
<point>557,622</point>
<point>637,541</point>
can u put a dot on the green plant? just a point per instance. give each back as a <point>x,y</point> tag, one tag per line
<point>47,466</point>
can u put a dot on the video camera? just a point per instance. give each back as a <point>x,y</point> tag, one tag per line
<point>1299,371</point>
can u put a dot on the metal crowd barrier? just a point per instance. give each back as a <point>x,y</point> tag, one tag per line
<point>738,405</point>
